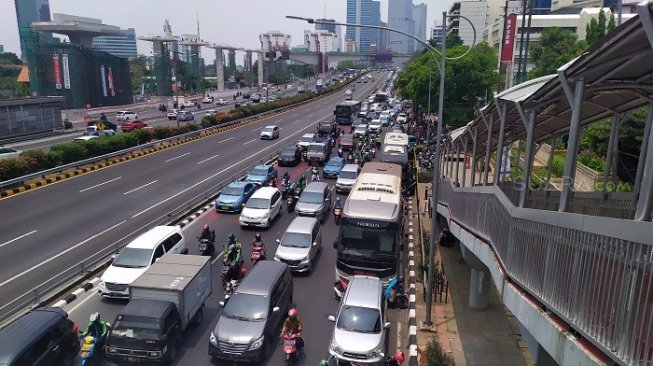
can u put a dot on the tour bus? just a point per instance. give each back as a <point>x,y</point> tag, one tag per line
<point>370,231</point>
<point>381,98</point>
<point>345,111</point>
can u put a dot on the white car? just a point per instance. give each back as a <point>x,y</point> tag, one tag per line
<point>374,126</point>
<point>207,100</point>
<point>173,114</point>
<point>125,115</point>
<point>270,132</point>
<point>360,130</point>
<point>402,118</point>
<point>137,257</point>
<point>221,102</point>
<point>263,100</point>
<point>189,103</point>
<point>7,153</point>
<point>306,140</point>
<point>261,208</point>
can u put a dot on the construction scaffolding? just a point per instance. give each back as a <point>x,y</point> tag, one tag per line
<point>84,77</point>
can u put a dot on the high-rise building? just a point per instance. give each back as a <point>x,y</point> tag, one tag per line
<point>366,12</point>
<point>28,11</point>
<point>121,46</point>
<point>476,12</point>
<point>331,28</point>
<point>322,41</point>
<point>436,32</point>
<point>400,17</point>
<point>274,41</point>
<point>419,16</point>
<point>384,37</point>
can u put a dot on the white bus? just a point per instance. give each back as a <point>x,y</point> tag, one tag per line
<point>370,230</point>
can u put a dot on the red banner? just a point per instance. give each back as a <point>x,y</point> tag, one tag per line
<point>57,70</point>
<point>508,43</point>
<point>110,76</point>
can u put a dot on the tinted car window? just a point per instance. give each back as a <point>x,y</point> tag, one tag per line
<point>246,307</point>
<point>359,319</point>
<point>168,244</point>
<point>158,253</point>
<point>176,237</point>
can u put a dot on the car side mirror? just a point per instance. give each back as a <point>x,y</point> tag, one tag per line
<point>331,318</point>
<point>278,241</point>
<point>184,251</point>
<point>386,325</point>
<point>222,303</point>
<point>275,309</point>
<point>114,256</point>
<point>314,244</point>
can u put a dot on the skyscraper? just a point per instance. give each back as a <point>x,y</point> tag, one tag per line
<point>400,17</point>
<point>121,46</point>
<point>419,16</point>
<point>366,12</point>
<point>328,27</point>
<point>28,11</point>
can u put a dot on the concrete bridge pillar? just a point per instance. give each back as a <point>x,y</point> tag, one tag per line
<point>260,68</point>
<point>219,68</point>
<point>479,286</point>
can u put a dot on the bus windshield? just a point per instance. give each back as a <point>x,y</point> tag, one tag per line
<point>344,110</point>
<point>377,240</point>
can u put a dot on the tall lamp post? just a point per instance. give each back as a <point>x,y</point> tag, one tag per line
<point>436,163</point>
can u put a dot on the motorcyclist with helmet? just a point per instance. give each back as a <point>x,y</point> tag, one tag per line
<point>96,328</point>
<point>302,182</point>
<point>285,180</point>
<point>292,325</point>
<point>258,242</point>
<point>207,233</point>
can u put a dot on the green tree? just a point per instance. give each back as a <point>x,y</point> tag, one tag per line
<point>452,41</point>
<point>612,24</point>
<point>556,47</point>
<point>601,24</point>
<point>466,79</point>
<point>139,71</point>
<point>592,32</point>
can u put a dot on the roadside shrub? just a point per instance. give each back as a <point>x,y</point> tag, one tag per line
<point>13,168</point>
<point>558,166</point>
<point>37,160</point>
<point>161,133</point>
<point>435,356</point>
<point>142,135</point>
<point>592,161</point>
<point>71,151</point>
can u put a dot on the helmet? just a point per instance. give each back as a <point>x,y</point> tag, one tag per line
<point>206,226</point>
<point>337,199</point>
<point>258,236</point>
<point>243,271</point>
<point>232,237</point>
<point>95,317</point>
<point>231,247</point>
<point>324,363</point>
<point>292,313</point>
<point>399,357</point>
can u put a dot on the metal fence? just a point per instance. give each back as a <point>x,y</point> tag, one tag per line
<point>596,273</point>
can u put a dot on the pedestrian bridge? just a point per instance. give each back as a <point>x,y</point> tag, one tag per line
<point>313,58</point>
<point>575,268</point>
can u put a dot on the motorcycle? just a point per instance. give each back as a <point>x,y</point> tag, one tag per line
<point>91,348</point>
<point>315,175</point>
<point>395,294</point>
<point>291,201</point>
<point>305,155</point>
<point>258,253</point>
<point>206,247</point>
<point>230,287</point>
<point>290,348</point>
<point>337,212</point>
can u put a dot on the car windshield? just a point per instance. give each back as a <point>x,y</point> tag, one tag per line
<point>233,191</point>
<point>258,203</point>
<point>259,171</point>
<point>136,328</point>
<point>347,174</point>
<point>311,197</point>
<point>246,307</point>
<point>315,148</point>
<point>335,163</point>
<point>296,240</point>
<point>288,151</point>
<point>133,258</point>
<point>268,129</point>
<point>361,127</point>
<point>359,319</point>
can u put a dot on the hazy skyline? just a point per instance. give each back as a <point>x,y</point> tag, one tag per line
<point>221,21</point>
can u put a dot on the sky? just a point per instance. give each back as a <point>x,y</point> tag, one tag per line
<point>232,22</point>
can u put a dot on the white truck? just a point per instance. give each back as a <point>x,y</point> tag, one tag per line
<point>319,84</point>
<point>163,302</point>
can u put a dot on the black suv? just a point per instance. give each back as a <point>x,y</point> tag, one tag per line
<point>44,336</point>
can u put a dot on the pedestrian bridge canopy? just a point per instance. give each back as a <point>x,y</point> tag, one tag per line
<point>585,257</point>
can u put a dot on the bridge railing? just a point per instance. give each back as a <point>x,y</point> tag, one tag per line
<point>596,273</point>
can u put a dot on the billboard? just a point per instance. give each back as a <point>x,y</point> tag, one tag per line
<point>66,71</point>
<point>57,70</point>
<point>508,43</point>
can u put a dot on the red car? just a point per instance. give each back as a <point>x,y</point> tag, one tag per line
<point>132,124</point>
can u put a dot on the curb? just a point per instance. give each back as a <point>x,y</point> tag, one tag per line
<point>197,214</point>
<point>73,295</point>
<point>412,318</point>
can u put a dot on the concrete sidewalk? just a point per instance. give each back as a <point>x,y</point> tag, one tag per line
<point>471,337</point>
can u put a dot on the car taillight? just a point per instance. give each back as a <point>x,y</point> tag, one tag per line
<point>73,326</point>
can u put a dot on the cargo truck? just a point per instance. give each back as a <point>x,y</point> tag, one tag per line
<point>163,302</point>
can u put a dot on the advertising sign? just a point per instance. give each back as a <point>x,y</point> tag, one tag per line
<point>508,43</point>
<point>57,70</point>
<point>110,75</point>
<point>104,80</point>
<point>66,71</point>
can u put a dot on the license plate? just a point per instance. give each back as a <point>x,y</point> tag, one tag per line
<point>225,207</point>
<point>132,359</point>
<point>289,342</point>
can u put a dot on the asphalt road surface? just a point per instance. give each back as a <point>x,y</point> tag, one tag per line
<point>45,231</point>
<point>313,293</point>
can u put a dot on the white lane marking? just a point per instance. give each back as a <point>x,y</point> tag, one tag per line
<point>17,238</point>
<point>176,157</point>
<point>272,146</point>
<point>207,159</point>
<point>250,141</point>
<point>217,257</point>
<point>310,115</point>
<point>97,185</point>
<point>72,310</point>
<point>62,253</point>
<point>398,335</point>
<point>143,186</point>
<point>227,139</point>
<point>258,128</point>
<point>297,121</point>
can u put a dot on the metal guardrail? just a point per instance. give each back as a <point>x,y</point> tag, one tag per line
<point>595,273</point>
<point>35,296</point>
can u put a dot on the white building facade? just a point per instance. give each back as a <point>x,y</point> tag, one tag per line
<point>400,17</point>
<point>419,16</point>
<point>322,41</point>
<point>274,41</point>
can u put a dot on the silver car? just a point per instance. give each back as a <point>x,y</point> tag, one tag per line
<point>269,132</point>
<point>315,201</point>
<point>347,178</point>
<point>359,333</point>
<point>300,244</point>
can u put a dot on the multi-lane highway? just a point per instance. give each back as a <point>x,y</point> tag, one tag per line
<point>49,229</point>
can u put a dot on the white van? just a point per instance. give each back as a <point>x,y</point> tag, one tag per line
<point>396,138</point>
<point>260,209</point>
<point>137,257</point>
